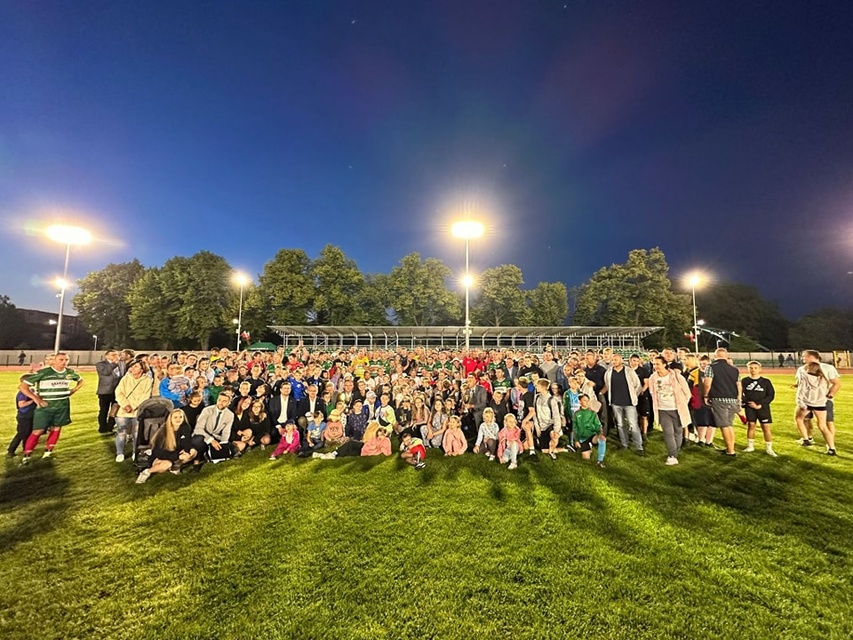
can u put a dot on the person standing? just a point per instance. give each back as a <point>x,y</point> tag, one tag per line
<point>24,417</point>
<point>670,398</point>
<point>623,390</point>
<point>722,391</point>
<point>51,387</point>
<point>132,390</point>
<point>804,423</point>
<point>108,379</point>
<point>758,393</point>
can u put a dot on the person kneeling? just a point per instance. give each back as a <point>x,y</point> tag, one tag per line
<point>588,431</point>
<point>171,447</point>
<point>412,451</point>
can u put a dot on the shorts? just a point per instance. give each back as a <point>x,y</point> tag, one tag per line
<point>724,412</point>
<point>761,415</point>
<point>586,445</point>
<point>544,439</point>
<point>702,417</point>
<point>419,451</point>
<point>644,405</point>
<point>55,414</point>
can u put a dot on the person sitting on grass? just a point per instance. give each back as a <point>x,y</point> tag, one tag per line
<point>289,442</point>
<point>433,432</point>
<point>334,433</point>
<point>487,435</point>
<point>212,433</point>
<point>758,393</point>
<point>356,420</point>
<point>376,442</point>
<point>588,431</point>
<point>454,442</point>
<point>412,450</point>
<point>259,423</point>
<point>509,441</point>
<point>171,447</point>
<point>24,418</point>
<point>314,430</point>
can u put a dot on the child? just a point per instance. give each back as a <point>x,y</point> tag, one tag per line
<point>289,442</point>
<point>758,393</point>
<point>314,433</point>
<point>588,431</point>
<point>454,442</point>
<point>487,435</point>
<point>215,389</point>
<point>412,451</point>
<point>26,410</point>
<point>509,442</point>
<point>334,433</point>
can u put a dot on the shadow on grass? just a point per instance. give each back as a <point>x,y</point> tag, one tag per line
<point>22,487</point>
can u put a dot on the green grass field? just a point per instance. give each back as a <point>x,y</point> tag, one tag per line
<point>753,547</point>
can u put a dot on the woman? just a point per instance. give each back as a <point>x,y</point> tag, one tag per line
<point>812,390</point>
<point>454,442</point>
<point>171,447</point>
<point>259,423</point>
<point>132,390</point>
<point>670,397</point>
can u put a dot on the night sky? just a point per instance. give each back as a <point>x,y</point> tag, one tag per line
<point>720,131</point>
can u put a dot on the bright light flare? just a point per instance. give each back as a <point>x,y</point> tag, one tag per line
<point>468,281</point>
<point>467,229</point>
<point>241,279</point>
<point>68,234</point>
<point>61,283</point>
<point>696,279</point>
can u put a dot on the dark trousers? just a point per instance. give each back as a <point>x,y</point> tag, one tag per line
<point>105,423</point>
<point>25,428</point>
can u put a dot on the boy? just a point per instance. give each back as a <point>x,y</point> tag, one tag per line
<point>412,451</point>
<point>26,410</point>
<point>757,395</point>
<point>587,431</point>
<point>216,388</point>
<point>313,433</point>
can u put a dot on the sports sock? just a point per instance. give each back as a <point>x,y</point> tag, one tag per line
<point>602,447</point>
<point>52,437</point>
<point>750,443</point>
<point>31,444</point>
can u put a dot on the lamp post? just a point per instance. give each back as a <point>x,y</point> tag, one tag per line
<point>241,280</point>
<point>67,235</point>
<point>95,348</point>
<point>467,229</point>
<point>694,280</point>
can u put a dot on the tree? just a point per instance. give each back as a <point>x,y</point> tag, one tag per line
<point>637,293</point>
<point>338,286</point>
<point>549,304</point>
<point>374,299</point>
<point>285,289</point>
<point>500,300</point>
<point>102,302</point>
<point>198,295</point>
<point>741,308</point>
<point>150,319</point>
<point>418,294</point>
<point>12,330</point>
<point>824,330</point>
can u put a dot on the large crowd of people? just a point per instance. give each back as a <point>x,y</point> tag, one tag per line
<point>511,406</point>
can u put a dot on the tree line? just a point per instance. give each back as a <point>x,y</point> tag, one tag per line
<point>190,302</point>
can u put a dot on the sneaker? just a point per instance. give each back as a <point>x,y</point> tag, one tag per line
<point>671,461</point>
<point>143,477</point>
<point>120,457</point>
<point>600,465</point>
<point>641,452</point>
<point>831,452</point>
<point>771,453</point>
<point>316,455</point>
<point>570,448</point>
<point>420,465</point>
<point>723,452</point>
<point>552,455</point>
<point>512,465</point>
<point>532,456</point>
<point>25,460</point>
<point>749,449</point>
<point>491,458</point>
<point>47,454</point>
<point>807,442</point>
<point>273,457</point>
<point>263,447</point>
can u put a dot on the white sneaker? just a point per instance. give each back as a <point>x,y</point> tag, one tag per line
<point>671,461</point>
<point>512,465</point>
<point>771,453</point>
<point>120,457</point>
<point>491,458</point>
<point>749,449</point>
<point>316,455</point>
<point>143,477</point>
<point>47,454</point>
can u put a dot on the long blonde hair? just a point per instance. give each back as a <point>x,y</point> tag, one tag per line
<point>370,431</point>
<point>165,437</point>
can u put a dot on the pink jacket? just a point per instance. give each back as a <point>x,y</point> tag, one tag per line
<point>377,446</point>
<point>285,447</point>
<point>454,442</point>
<point>681,391</point>
<point>506,436</point>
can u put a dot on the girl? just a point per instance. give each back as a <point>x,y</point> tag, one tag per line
<point>812,390</point>
<point>433,433</point>
<point>420,416</point>
<point>454,442</point>
<point>289,442</point>
<point>334,433</point>
<point>487,435</point>
<point>259,423</point>
<point>509,441</point>
<point>171,447</point>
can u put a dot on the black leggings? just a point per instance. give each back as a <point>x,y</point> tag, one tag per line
<point>25,428</point>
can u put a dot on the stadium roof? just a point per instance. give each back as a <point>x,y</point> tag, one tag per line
<point>393,336</point>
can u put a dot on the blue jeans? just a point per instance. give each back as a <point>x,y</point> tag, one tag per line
<point>125,427</point>
<point>628,415</point>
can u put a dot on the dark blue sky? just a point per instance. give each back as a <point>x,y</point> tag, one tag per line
<point>721,132</point>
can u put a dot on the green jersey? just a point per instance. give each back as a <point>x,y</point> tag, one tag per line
<point>52,385</point>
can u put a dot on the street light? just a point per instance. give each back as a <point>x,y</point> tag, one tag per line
<point>694,280</point>
<point>95,348</point>
<point>240,279</point>
<point>67,235</point>
<point>467,229</point>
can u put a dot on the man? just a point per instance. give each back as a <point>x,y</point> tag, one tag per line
<point>212,433</point>
<point>758,393</point>
<point>549,367</point>
<point>108,379</point>
<point>623,391</point>
<point>722,391</point>
<point>283,407</point>
<point>644,402</point>
<point>594,372</point>
<point>511,368</point>
<point>474,399</point>
<point>312,402</point>
<point>671,361</point>
<point>51,388</point>
<point>831,373</point>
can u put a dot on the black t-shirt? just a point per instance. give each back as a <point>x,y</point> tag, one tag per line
<point>619,394</point>
<point>596,375</point>
<point>643,375</point>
